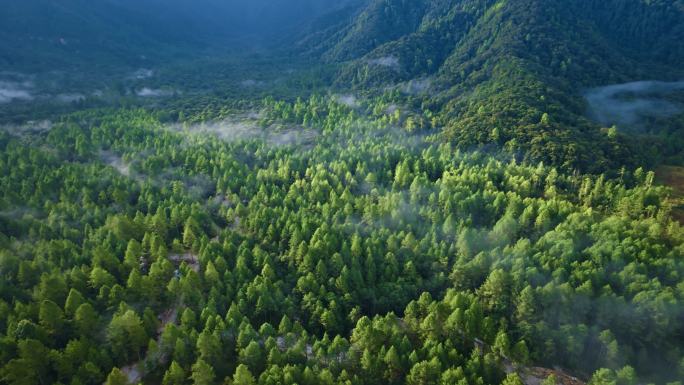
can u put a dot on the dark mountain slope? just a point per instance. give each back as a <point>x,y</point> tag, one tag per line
<point>645,29</point>
<point>324,33</point>
<point>443,24</point>
<point>380,22</point>
<point>42,35</point>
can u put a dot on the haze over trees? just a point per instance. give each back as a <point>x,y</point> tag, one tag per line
<point>393,192</point>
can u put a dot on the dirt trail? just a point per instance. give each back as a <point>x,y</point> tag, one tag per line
<point>188,258</point>
<point>133,372</point>
<point>536,375</point>
<point>673,176</point>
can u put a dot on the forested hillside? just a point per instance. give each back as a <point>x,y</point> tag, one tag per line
<point>511,73</point>
<point>362,192</point>
<point>355,254</point>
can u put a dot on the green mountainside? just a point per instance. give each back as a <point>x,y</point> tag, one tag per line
<point>512,72</point>
<point>327,192</point>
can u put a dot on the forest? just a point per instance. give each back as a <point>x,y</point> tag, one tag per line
<point>361,254</point>
<point>273,219</point>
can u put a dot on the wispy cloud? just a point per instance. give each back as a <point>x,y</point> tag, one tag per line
<point>630,104</point>
<point>386,61</point>
<point>147,92</point>
<point>11,91</point>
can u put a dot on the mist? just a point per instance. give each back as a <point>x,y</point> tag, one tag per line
<point>630,105</point>
<point>143,73</point>
<point>347,100</point>
<point>28,128</point>
<point>147,92</point>
<point>386,61</point>
<point>70,98</point>
<point>11,91</point>
<point>116,161</point>
<point>417,87</point>
<point>247,127</point>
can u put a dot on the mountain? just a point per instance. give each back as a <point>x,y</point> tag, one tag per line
<point>512,73</point>
<point>356,192</point>
<point>507,74</point>
<point>40,35</point>
<point>45,34</point>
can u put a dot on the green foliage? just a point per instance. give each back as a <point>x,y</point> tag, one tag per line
<point>202,373</point>
<point>243,376</point>
<point>116,377</point>
<point>455,217</point>
<point>367,253</point>
<point>510,74</point>
<point>175,375</point>
<point>126,335</point>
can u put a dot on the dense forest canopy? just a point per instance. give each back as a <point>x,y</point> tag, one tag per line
<point>341,192</point>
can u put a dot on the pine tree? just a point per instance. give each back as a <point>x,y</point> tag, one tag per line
<point>175,375</point>
<point>116,377</point>
<point>202,373</point>
<point>243,376</point>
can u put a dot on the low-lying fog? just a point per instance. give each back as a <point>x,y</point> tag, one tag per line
<point>247,128</point>
<point>629,105</point>
<point>30,127</point>
<point>62,88</point>
<point>11,91</point>
<point>386,61</point>
<point>147,92</point>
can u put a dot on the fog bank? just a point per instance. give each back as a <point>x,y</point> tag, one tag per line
<point>247,128</point>
<point>11,91</point>
<point>629,105</point>
<point>387,61</point>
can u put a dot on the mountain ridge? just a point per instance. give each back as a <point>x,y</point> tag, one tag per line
<point>511,72</point>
